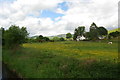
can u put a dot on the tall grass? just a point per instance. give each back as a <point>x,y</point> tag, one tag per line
<point>67,59</point>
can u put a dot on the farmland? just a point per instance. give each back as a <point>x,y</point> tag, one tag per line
<point>67,59</point>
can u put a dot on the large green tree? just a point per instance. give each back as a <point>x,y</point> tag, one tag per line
<point>79,32</point>
<point>102,31</point>
<point>87,35</point>
<point>97,32</point>
<point>75,34</point>
<point>15,36</point>
<point>62,39</point>
<point>94,31</point>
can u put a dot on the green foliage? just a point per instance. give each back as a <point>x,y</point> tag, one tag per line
<point>79,32</point>
<point>31,40</point>
<point>114,34</point>
<point>75,34</point>
<point>113,30</point>
<point>68,35</point>
<point>46,38</point>
<point>62,39</point>
<point>87,35</point>
<point>102,31</point>
<point>56,38</point>
<point>93,27</point>
<point>15,36</point>
<point>94,31</point>
<point>41,38</point>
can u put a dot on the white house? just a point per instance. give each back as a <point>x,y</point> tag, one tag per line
<point>101,37</point>
<point>80,38</point>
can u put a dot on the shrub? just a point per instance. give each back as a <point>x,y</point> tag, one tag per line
<point>15,36</point>
<point>62,39</point>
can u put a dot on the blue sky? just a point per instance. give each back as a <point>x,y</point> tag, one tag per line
<point>51,13</point>
<point>63,6</point>
<point>7,0</point>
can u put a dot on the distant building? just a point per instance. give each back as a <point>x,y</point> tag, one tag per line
<point>101,37</point>
<point>79,38</point>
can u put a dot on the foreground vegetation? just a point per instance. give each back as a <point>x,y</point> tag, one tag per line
<point>68,59</point>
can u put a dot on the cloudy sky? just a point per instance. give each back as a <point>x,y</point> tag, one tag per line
<point>52,17</point>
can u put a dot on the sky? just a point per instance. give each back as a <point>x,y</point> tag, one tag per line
<point>53,17</point>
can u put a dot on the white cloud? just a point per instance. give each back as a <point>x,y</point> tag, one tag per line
<point>79,13</point>
<point>59,10</point>
<point>102,12</point>
<point>58,18</point>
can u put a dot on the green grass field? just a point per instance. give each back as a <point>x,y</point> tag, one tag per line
<point>68,59</point>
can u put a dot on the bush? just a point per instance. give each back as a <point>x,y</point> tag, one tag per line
<point>56,38</point>
<point>113,34</point>
<point>15,36</point>
<point>46,38</point>
<point>62,39</point>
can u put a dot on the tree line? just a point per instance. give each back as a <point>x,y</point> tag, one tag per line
<point>94,33</point>
<point>15,36</point>
<point>41,39</point>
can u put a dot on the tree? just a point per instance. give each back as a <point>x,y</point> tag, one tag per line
<point>15,36</point>
<point>81,30</point>
<point>68,35</point>
<point>87,35</point>
<point>102,31</point>
<point>94,31</point>
<point>40,37</point>
<point>75,34</point>
<point>31,40</point>
<point>114,34</point>
<point>56,38</point>
<point>62,39</point>
<point>24,34</point>
<point>46,38</point>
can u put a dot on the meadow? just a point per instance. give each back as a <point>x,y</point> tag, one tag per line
<point>67,59</point>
